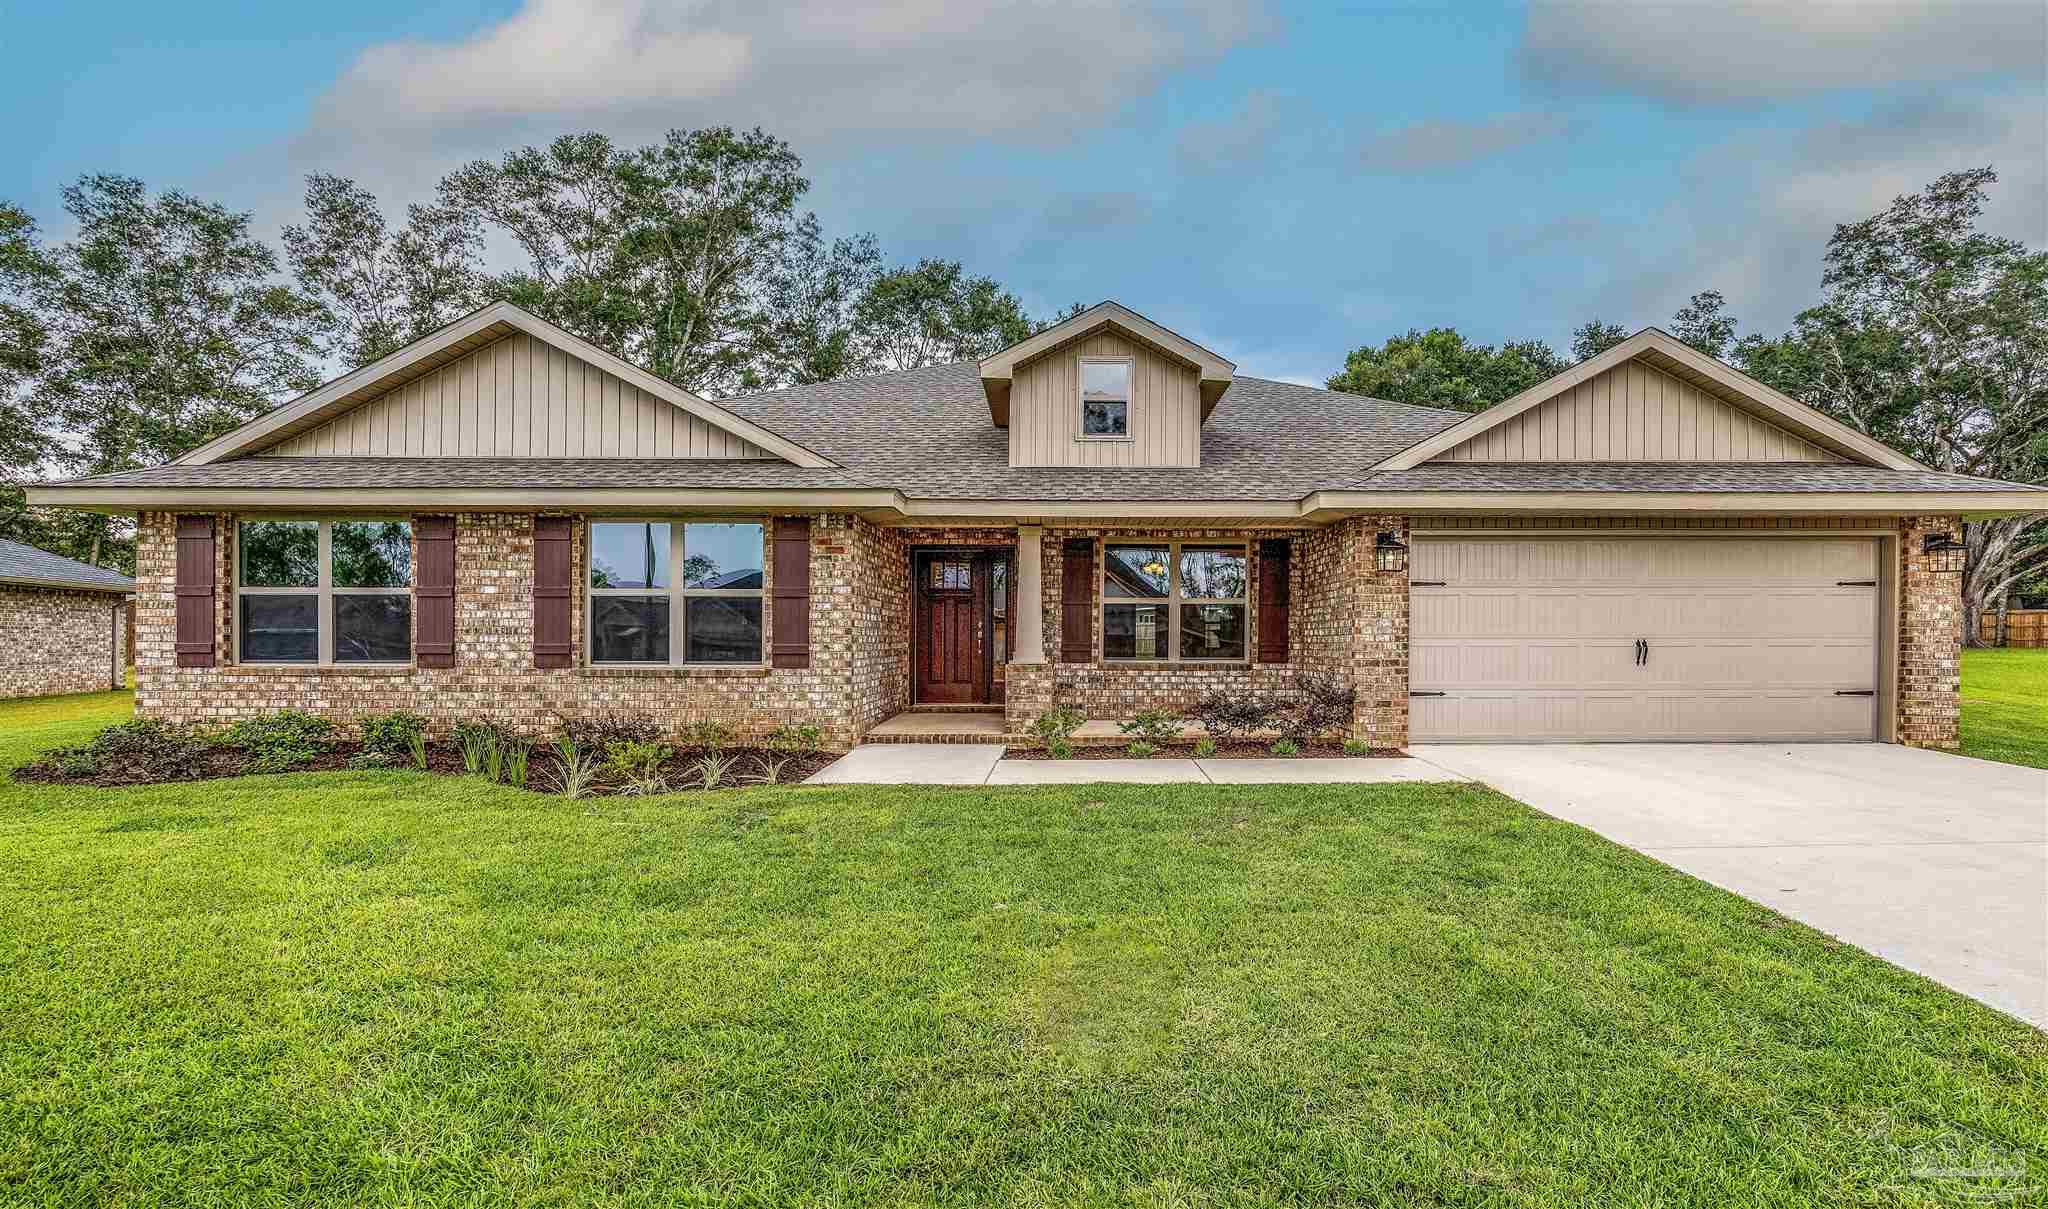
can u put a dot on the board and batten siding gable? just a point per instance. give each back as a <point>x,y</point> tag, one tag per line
<point>1636,413</point>
<point>518,398</point>
<point>1045,409</point>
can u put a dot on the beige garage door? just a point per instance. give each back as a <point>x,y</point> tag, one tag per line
<point>1637,638</point>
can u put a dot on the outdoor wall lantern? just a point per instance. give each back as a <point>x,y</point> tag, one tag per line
<point>1944,553</point>
<point>1389,552</point>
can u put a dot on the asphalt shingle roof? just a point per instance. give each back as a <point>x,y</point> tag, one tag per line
<point>507,473</point>
<point>1671,476</point>
<point>24,564</point>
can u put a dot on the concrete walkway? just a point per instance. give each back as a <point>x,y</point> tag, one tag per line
<point>1934,862</point>
<point>983,764</point>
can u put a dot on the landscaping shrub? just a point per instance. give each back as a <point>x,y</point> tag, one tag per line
<point>575,769</point>
<point>595,735</point>
<point>392,735</point>
<point>1152,727</point>
<point>1228,715</point>
<point>767,770</point>
<point>1140,749</point>
<point>713,770</point>
<point>1059,749</point>
<point>480,744</point>
<point>639,766</point>
<point>710,737</point>
<point>1285,747</point>
<point>517,753</point>
<point>795,739</point>
<point>281,741</point>
<point>142,750</point>
<point>1058,724</point>
<point>1357,747</point>
<point>1321,706</point>
<point>1205,749</point>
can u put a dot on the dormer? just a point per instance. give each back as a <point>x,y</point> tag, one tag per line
<point>1108,387</point>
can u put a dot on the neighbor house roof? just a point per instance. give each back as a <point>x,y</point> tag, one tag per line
<point>27,566</point>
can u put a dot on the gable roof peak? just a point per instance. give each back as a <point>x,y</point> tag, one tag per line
<point>487,324</point>
<point>1213,370</point>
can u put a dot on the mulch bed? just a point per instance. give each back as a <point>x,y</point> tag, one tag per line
<point>1224,751</point>
<point>444,759</point>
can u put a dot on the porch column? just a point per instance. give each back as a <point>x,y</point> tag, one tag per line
<point>1029,645</point>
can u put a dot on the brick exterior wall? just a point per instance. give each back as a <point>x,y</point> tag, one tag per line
<point>845,689</point>
<point>1354,620</point>
<point>1930,638</point>
<point>54,641</point>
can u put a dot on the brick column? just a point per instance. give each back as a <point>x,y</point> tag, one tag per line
<point>1930,638</point>
<point>1354,623</point>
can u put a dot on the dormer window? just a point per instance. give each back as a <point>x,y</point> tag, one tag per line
<point>1105,398</point>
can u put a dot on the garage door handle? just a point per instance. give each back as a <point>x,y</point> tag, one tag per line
<point>1413,693</point>
<point>1855,692</point>
<point>1855,583</point>
<point>1425,583</point>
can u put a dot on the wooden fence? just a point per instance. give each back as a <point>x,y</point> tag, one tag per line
<point>2023,627</point>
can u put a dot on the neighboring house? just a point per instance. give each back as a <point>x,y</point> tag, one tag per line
<point>63,624</point>
<point>502,521</point>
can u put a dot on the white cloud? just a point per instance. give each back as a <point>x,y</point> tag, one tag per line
<point>1439,143</point>
<point>1752,217</point>
<point>807,69</point>
<point>1746,52</point>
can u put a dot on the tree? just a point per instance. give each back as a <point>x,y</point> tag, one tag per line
<point>1932,336</point>
<point>168,325</point>
<point>933,313</point>
<point>25,423</point>
<point>380,290</point>
<point>1704,324</point>
<point>1439,368</point>
<point>1593,338</point>
<point>810,303</point>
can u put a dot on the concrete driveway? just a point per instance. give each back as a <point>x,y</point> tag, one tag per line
<point>1935,862</point>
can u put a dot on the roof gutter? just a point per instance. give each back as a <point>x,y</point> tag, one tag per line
<point>474,499</point>
<point>65,585</point>
<point>1974,505</point>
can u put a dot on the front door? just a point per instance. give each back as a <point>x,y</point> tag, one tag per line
<point>961,615</point>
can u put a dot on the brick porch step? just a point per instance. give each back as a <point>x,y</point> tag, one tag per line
<point>944,726</point>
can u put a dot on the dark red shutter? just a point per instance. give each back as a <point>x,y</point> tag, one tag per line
<point>1273,600</point>
<point>1077,600</point>
<point>194,591</point>
<point>553,644</point>
<point>791,644</point>
<point>433,591</point>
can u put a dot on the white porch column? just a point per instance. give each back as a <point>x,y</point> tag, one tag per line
<point>1029,644</point>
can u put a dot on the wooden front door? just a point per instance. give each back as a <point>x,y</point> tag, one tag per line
<point>952,594</point>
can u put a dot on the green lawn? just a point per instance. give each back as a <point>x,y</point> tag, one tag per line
<point>385,988</point>
<point>2005,706</point>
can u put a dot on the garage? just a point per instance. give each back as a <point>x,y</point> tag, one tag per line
<point>1644,638</point>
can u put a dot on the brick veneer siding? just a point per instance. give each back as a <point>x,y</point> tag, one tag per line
<point>1354,631</point>
<point>494,678</point>
<point>1930,638</point>
<point>55,641</point>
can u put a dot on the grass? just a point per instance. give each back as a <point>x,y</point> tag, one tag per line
<point>2005,706</point>
<point>391,988</point>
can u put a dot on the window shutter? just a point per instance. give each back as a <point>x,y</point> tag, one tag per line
<point>194,591</point>
<point>1273,600</point>
<point>553,645</point>
<point>791,607</point>
<point>1077,600</point>
<point>433,591</point>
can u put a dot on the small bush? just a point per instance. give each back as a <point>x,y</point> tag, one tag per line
<point>518,752</point>
<point>281,741</point>
<point>1285,747</point>
<point>767,770</point>
<point>1205,749</point>
<point>575,769</point>
<point>417,745</point>
<point>1059,749</point>
<point>713,770</point>
<point>1152,726</point>
<point>1321,706</point>
<point>1357,747</point>
<point>391,735</point>
<point>794,739</point>
<point>1140,750</point>
<point>1232,715</point>
<point>710,737</point>
<point>142,750</point>
<point>639,766</point>
<point>479,743</point>
<point>595,735</point>
<point>1058,724</point>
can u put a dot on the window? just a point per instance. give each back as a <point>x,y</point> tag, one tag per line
<point>644,610</point>
<point>1105,399</point>
<point>324,591</point>
<point>1173,600</point>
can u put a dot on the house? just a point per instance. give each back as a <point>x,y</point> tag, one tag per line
<point>505,522</point>
<point>62,624</point>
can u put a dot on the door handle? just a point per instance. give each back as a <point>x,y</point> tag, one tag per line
<point>1646,651</point>
<point>1642,652</point>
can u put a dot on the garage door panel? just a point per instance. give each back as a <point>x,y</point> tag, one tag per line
<point>1746,639</point>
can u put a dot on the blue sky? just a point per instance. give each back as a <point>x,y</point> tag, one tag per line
<point>1280,182</point>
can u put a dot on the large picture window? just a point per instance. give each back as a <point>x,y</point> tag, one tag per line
<point>1164,601</point>
<point>676,592</point>
<point>324,591</point>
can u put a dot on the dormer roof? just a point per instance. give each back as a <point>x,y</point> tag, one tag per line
<point>1213,370</point>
